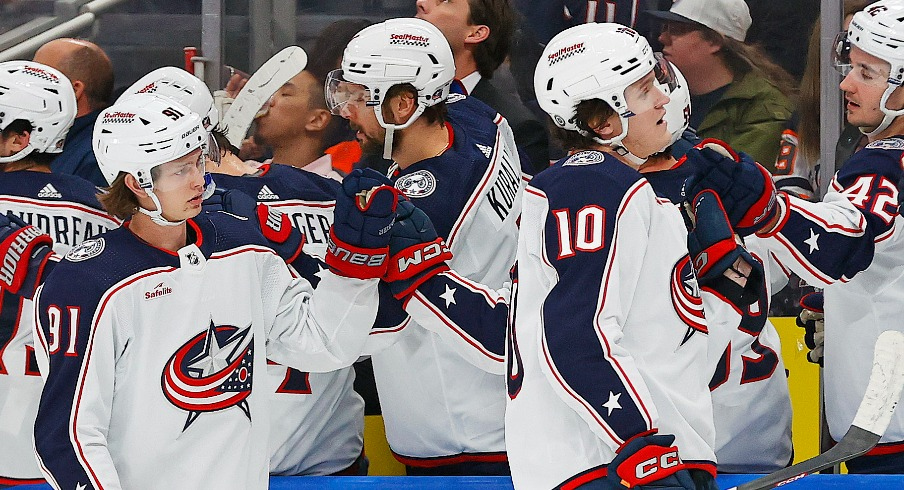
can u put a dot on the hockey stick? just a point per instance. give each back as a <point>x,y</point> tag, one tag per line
<point>260,87</point>
<point>882,394</point>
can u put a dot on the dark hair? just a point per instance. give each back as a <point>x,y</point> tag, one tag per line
<point>435,114</point>
<point>326,55</point>
<point>499,16</point>
<point>20,126</point>
<point>590,114</point>
<point>90,65</point>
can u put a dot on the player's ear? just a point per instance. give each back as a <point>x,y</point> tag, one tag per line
<point>132,183</point>
<point>15,142</point>
<point>477,34</point>
<point>400,107</point>
<point>318,120</point>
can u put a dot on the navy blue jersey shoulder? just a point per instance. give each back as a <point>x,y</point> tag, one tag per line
<point>441,185</point>
<point>880,158</point>
<point>283,182</point>
<point>587,176</point>
<point>49,187</point>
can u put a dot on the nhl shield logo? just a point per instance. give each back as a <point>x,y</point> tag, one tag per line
<point>417,184</point>
<point>87,250</point>
<point>211,372</point>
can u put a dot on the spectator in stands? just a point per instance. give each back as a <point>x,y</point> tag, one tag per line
<point>295,123</point>
<point>480,34</point>
<point>91,73</point>
<point>738,94</point>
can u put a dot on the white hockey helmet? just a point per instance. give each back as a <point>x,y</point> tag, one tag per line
<point>40,95</point>
<point>878,30</point>
<point>678,108</point>
<point>142,132</point>
<point>176,84</point>
<point>594,61</point>
<point>394,52</point>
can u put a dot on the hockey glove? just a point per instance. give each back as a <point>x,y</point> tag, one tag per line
<point>283,238</point>
<point>812,320</point>
<point>416,252</point>
<point>648,460</point>
<point>720,261</point>
<point>745,187</point>
<point>25,250</point>
<point>362,225</point>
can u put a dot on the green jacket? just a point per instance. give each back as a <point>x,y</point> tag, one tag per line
<point>750,117</point>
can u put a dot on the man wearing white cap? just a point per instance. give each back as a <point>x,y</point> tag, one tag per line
<point>738,94</point>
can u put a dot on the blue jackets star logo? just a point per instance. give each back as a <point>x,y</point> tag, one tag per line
<point>211,372</point>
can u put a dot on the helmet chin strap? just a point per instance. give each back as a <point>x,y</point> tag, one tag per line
<point>387,143</point>
<point>890,115</point>
<point>157,214</point>
<point>391,128</point>
<point>15,157</point>
<point>616,145</point>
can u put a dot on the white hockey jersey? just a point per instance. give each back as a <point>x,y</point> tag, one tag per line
<point>65,207</point>
<point>317,418</point>
<point>607,338</point>
<point>749,387</point>
<point>851,244</point>
<point>152,358</point>
<point>441,393</point>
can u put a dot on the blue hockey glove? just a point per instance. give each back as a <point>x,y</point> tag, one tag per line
<point>231,201</point>
<point>283,238</point>
<point>416,252</point>
<point>745,187</point>
<point>362,225</point>
<point>648,460</point>
<point>721,262</point>
<point>25,250</point>
<point>812,320</point>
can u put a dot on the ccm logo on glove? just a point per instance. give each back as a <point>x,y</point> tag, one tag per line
<point>653,465</point>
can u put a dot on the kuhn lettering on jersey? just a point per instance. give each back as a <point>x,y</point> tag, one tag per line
<point>686,298</point>
<point>14,253</point>
<point>409,40</point>
<point>503,193</point>
<point>211,372</point>
<point>64,229</point>
<point>565,53</point>
<point>158,291</point>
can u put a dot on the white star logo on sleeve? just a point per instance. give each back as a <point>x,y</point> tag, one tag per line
<point>612,404</point>
<point>813,241</point>
<point>80,486</point>
<point>449,295</point>
<point>321,272</point>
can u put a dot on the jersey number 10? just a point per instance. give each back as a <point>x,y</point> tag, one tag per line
<point>586,235</point>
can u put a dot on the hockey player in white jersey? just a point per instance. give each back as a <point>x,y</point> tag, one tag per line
<point>152,338</point>
<point>607,344</point>
<point>455,159</point>
<point>38,107</point>
<point>317,419</point>
<point>851,242</point>
<point>749,387</point>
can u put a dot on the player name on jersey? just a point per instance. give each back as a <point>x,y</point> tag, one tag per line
<point>503,193</point>
<point>65,229</point>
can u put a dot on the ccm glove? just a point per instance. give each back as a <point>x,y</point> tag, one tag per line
<point>812,320</point>
<point>25,250</point>
<point>416,252</point>
<point>648,460</point>
<point>720,261</point>
<point>746,188</point>
<point>283,238</point>
<point>362,225</point>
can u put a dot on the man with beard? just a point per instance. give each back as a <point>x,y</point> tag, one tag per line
<point>455,158</point>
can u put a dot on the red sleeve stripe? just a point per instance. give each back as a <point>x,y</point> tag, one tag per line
<point>802,261</point>
<point>492,299</point>
<point>113,222</point>
<point>857,230</point>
